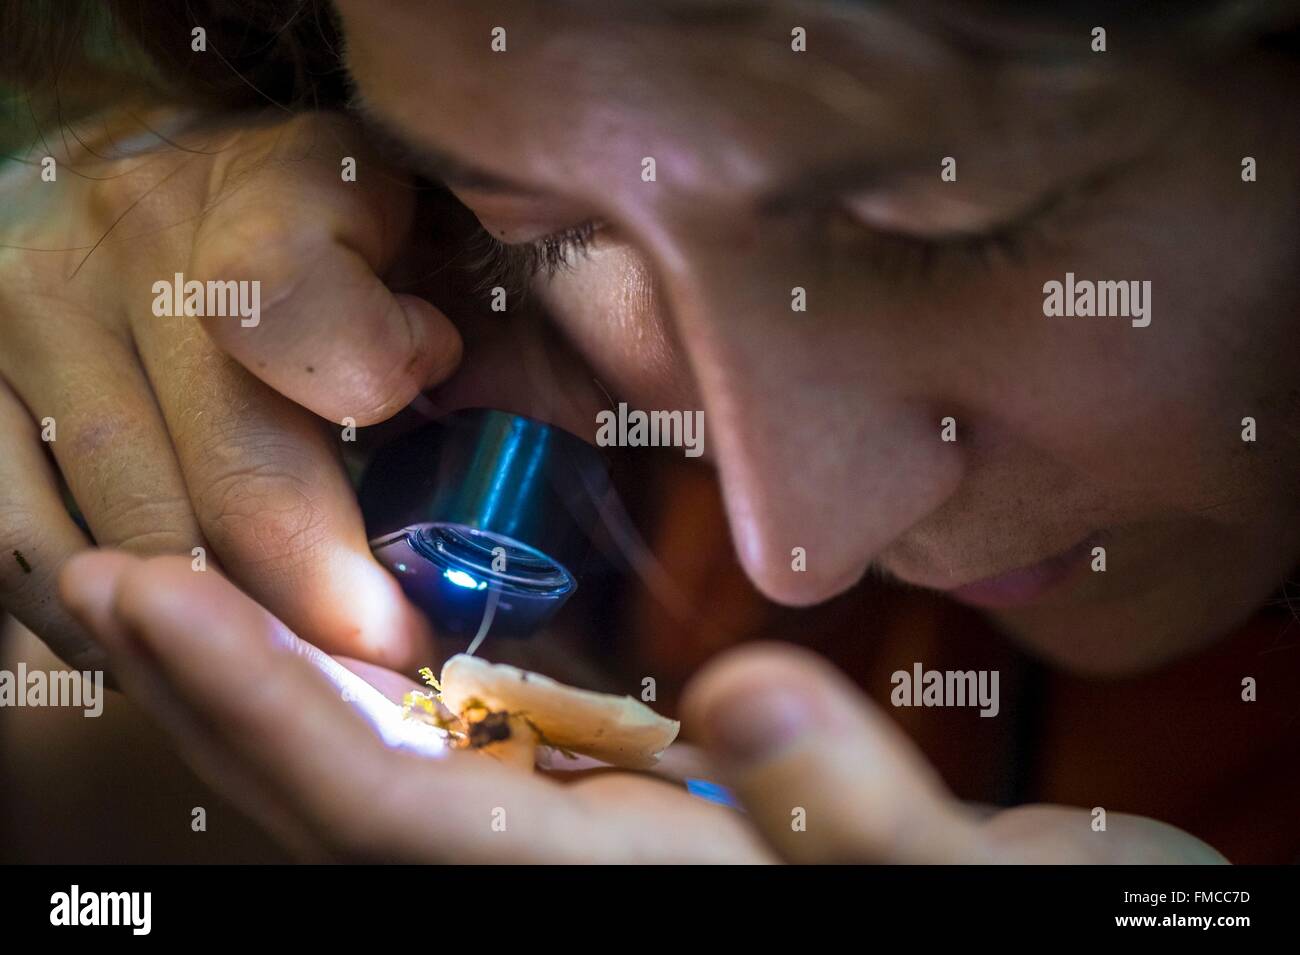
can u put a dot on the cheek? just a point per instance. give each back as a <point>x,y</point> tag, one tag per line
<point>1142,418</point>
<point>607,306</point>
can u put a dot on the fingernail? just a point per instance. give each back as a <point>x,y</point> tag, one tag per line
<point>750,727</point>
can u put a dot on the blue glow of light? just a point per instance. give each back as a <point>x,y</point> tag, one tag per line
<point>462,579</point>
<point>713,792</point>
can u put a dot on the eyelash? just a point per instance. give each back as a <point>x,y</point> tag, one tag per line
<point>513,266</point>
<point>899,255</point>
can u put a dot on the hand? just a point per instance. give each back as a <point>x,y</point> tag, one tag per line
<point>237,691</point>
<point>262,716</point>
<point>166,443</point>
<point>790,733</point>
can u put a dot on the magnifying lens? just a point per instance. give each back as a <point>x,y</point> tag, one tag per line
<point>485,517</point>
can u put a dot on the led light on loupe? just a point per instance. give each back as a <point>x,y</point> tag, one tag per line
<point>484,516</point>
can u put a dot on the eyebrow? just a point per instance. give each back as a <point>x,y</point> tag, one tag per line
<point>438,164</point>
<point>821,185</point>
<point>816,187</point>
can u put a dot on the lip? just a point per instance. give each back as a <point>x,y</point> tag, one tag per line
<point>1023,585</point>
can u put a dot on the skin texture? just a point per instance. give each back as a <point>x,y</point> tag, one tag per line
<point>166,443</point>
<point>782,727</point>
<point>823,425</point>
<point>170,439</point>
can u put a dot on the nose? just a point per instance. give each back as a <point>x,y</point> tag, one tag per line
<point>825,442</point>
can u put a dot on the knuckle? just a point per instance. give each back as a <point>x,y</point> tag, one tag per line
<point>262,515</point>
<point>273,251</point>
<point>257,243</point>
<point>144,523</point>
<point>265,152</point>
<point>101,437</point>
<point>244,155</point>
<point>159,198</point>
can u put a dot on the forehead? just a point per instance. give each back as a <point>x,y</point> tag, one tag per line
<point>713,91</point>
<point>582,83</point>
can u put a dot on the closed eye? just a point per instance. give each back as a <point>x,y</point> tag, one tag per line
<point>898,253</point>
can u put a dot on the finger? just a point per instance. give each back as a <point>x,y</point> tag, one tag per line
<point>151,615</point>
<point>36,536</point>
<point>329,333</point>
<point>275,502</point>
<point>823,774</point>
<point>393,686</point>
<point>109,439</point>
<point>290,727</point>
<point>1051,835</point>
<point>90,585</point>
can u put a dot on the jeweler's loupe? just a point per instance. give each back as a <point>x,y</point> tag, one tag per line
<point>484,517</point>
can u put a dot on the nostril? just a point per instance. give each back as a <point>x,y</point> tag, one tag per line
<point>807,525</point>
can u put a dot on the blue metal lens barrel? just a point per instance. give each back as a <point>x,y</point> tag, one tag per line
<point>482,512</point>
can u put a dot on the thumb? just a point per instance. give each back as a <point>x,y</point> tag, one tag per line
<point>824,775</point>
<point>328,332</point>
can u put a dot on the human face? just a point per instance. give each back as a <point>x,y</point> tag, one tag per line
<point>925,297</point>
